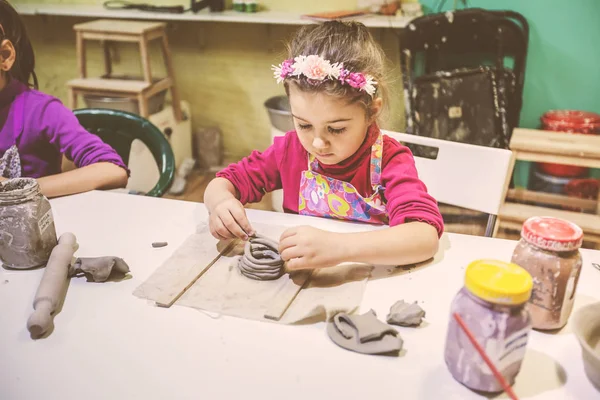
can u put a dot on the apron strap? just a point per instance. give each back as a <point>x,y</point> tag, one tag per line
<point>376,157</point>
<point>313,163</point>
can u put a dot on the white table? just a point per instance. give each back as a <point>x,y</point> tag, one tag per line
<point>108,344</point>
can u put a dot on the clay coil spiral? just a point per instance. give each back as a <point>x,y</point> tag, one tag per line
<point>261,259</point>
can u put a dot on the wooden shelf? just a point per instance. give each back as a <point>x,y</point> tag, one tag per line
<point>514,212</point>
<point>262,17</point>
<point>523,195</point>
<point>109,85</point>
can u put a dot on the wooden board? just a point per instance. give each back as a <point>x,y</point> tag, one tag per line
<point>201,252</point>
<point>200,276</point>
<point>555,143</point>
<point>520,212</point>
<point>287,295</point>
<point>551,198</point>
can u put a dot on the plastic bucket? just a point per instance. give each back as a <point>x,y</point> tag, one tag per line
<point>572,121</point>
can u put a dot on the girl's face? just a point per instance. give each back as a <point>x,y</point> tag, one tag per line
<point>328,127</point>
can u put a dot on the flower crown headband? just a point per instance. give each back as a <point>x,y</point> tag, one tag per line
<point>316,68</point>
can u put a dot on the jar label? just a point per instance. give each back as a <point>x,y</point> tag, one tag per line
<point>504,353</point>
<point>45,222</point>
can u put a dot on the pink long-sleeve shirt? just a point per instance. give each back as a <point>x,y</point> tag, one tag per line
<point>280,167</point>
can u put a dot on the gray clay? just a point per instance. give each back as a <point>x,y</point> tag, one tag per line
<point>406,314</point>
<point>100,268</point>
<point>261,259</point>
<point>159,244</point>
<point>364,334</point>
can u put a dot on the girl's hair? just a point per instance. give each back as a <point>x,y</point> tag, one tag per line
<point>349,43</point>
<point>13,29</point>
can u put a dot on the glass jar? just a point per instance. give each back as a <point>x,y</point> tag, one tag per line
<point>549,251</point>
<point>492,304</point>
<point>27,232</point>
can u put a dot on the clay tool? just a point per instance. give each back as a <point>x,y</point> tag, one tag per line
<point>287,294</point>
<point>52,286</point>
<point>485,357</point>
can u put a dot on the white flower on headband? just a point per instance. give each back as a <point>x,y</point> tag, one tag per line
<point>316,68</point>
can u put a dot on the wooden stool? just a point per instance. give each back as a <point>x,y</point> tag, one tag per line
<point>557,148</point>
<point>140,90</point>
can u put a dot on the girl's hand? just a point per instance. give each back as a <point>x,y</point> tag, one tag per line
<point>305,247</point>
<point>228,220</point>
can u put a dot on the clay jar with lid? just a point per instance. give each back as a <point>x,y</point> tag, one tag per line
<point>549,251</point>
<point>492,304</point>
<point>27,233</point>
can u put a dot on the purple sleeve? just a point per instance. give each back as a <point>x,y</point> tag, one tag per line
<point>406,195</point>
<point>256,174</point>
<point>63,131</point>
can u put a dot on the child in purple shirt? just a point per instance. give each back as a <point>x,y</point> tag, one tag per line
<point>36,130</point>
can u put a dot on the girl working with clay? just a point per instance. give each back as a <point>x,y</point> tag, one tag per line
<point>336,164</point>
<point>36,129</point>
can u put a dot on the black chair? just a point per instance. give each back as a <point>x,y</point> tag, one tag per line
<point>463,72</point>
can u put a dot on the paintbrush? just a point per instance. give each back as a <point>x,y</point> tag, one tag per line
<point>485,357</point>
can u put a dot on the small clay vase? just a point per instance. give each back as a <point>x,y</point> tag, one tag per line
<point>586,325</point>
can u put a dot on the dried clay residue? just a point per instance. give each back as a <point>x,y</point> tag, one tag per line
<point>10,186</point>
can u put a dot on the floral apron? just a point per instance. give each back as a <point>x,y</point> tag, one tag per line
<point>327,197</point>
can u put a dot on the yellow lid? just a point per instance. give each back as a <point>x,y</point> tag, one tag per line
<point>498,282</point>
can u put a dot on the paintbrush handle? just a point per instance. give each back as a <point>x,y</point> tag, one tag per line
<point>485,357</point>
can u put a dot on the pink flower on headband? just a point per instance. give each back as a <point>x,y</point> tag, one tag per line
<point>316,68</point>
<point>356,80</point>
<point>284,70</point>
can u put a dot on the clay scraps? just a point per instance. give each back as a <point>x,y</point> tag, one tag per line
<point>159,244</point>
<point>405,314</point>
<point>99,268</point>
<point>261,259</point>
<point>364,334</point>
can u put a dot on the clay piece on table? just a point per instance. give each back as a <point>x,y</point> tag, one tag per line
<point>261,259</point>
<point>406,314</point>
<point>53,285</point>
<point>364,334</point>
<point>159,244</point>
<point>100,268</point>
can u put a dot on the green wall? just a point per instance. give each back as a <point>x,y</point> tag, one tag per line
<point>563,63</point>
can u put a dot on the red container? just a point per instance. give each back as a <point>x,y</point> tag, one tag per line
<point>572,121</point>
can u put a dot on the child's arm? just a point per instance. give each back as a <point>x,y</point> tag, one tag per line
<point>244,182</point>
<point>227,217</point>
<point>415,224</point>
<point>98,165</point>
<point>102,175</point>
<point>307,247</point>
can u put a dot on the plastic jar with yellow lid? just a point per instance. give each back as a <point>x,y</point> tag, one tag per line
<point>493,305</point>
